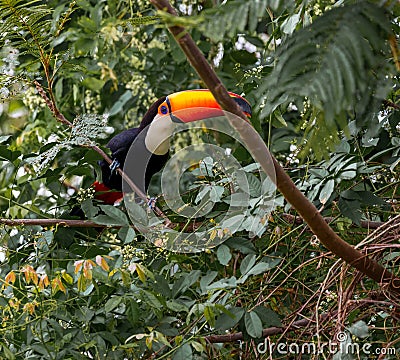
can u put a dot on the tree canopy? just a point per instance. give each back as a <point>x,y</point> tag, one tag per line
<point>322,79</point>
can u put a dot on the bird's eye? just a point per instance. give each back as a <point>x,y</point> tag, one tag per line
<point>163,110</point>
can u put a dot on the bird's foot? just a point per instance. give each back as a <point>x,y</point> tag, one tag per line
<point>114,166</point>
<point>151,203</point>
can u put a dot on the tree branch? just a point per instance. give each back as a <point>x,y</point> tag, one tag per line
<point>192,227</point>
<point>50,222</point>
<point>364,223</point>
<point>274,330</point>
<point>270,165</point>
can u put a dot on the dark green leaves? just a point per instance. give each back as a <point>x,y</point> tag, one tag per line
<point>253,324</point>
<point>25,26</point>
<point>87,128</point>
<point>337,64</point>
<point>112,216</point>
<point>233,17</point>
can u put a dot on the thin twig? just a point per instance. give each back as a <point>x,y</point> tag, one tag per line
<point>50,222</point>
<point>364,223</point>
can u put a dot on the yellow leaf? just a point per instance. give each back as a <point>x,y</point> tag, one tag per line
<point>112,272</point>
<point>149,342</point>
<point>213,234</point>
<point>141,273</point>
<point>44,282</point>
<point>102,263</point>
<point>29,307</point>
<point>87,273</point>
<point>10,277</point>
<point>81,283</point>
<point>68,278</point>
<point>78,265</point>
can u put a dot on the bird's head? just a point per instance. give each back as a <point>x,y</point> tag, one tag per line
<point>184,107</point>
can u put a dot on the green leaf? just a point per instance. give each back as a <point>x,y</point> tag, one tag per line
<point>127,234</point>
<point>209,315</point>
<point>150,299</point>
<point>4,138</point>
<point>268,317</point>
<point>233,223</point>
<point>183,353</point>
<point>6,351</point>
<point>106,220</point>
<point>369,198</point>
<point>222,284</point>
<point>229,319</point>
<point>237,199</point>
<point>137,214</point>
<point>289,25</point>
<point>93,83</point>
<point>250,184</point>
<point>185,282</point>
<point>350,195</point>
<point>247,263</point>
<point>216,193</point>
<point>176,306</point>
<point>245,246</point>
<point>114,216</point>
<point>260,268</point>
<point>359,329</point>
<point>326,191</point>
<point>349,172</point>
<point>7,154</point>
<point>112,303</point>
<point>253,324</point>
<point>133,311</point>
<point>350,209</point>
<point>206,279</point>
<point>89,210</point>
<point>224,255</point>
<point>119,105</point>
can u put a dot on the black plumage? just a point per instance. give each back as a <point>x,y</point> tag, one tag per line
<point>144,165</point>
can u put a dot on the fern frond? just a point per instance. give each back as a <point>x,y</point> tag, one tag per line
<point>338,64</point>
<point>87,128</point>
<point>25,25</point>
<point>143,20</point>
<point>234,17</point>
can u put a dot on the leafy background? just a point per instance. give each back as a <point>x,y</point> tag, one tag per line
<point>323,80</point>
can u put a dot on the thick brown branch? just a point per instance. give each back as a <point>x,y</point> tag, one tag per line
<point>270,165</point>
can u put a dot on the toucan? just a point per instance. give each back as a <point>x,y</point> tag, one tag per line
<point>152,136</point>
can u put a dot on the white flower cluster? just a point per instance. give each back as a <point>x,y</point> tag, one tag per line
<point>254,72</point>
<point>32,100</point>
<point>84,194</point>
<point>92,102</point>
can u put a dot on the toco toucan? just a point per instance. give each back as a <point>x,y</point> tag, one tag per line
<point>153,138</point>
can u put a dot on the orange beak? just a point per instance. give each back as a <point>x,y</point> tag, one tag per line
<point>192,105</point>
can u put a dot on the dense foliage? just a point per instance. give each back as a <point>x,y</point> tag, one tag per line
<point>322,77</point>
